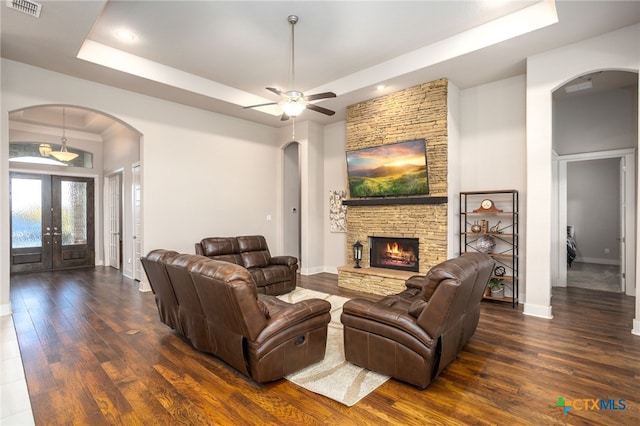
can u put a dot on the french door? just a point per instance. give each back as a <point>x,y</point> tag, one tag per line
<point>52,222</point>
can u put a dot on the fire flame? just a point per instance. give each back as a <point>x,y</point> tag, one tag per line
<point>393,248</point>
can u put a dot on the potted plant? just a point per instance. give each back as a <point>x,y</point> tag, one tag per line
<point>496,287</point>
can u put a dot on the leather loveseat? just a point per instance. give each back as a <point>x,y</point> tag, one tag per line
<point>412,336</point>
<point>216,306</point>
<point>273,275</point>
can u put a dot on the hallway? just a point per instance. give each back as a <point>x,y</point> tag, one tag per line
<point>594,276</point>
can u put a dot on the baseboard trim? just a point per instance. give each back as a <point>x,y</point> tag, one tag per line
<point>614,262</point>
<point>144,287</point>
<point>311,271</point>
<point>636,327</point>
<point>537,311</point>
<point>5,309</point>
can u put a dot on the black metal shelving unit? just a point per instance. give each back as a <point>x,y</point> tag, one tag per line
<point>505,234</point>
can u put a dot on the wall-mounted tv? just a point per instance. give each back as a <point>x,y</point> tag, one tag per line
<point>398,169</point>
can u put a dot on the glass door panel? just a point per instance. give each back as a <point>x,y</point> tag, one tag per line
<point>73,223</point>
<point>26,213</point>
<point>74,212</point>
<point>31,236</point>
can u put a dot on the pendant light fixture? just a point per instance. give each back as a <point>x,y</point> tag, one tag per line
<point>63,154</point>
<point>44,149</point>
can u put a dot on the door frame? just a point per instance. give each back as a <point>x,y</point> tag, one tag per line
<point>111,181</point>
<point>92,243</point>
<point>137,217</point>
<point>627,211</point>
<point>97,203</point>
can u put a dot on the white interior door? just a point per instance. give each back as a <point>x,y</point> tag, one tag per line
<point>137,223</point>
<point>622,237</point>
<point>114,221</point>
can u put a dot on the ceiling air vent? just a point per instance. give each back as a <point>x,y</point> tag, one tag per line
<point>25,6</point>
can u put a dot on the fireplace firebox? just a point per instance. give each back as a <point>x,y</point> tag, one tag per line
<point>394,253</point>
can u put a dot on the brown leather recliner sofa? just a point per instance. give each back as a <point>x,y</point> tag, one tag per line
<point>216,306</point>
<point>414,335</point>
<point>273,275</point>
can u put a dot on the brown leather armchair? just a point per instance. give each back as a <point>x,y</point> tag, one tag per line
<point>412,336</point>
<point>216,306</point>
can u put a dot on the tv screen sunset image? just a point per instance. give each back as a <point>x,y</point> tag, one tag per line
<point>388,170</point>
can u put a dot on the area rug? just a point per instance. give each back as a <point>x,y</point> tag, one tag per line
<point>334,377</point>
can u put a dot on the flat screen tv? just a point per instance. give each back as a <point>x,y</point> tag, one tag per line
<point>398,169</point>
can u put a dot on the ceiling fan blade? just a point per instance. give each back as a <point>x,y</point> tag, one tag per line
<point>259,105</point>
<point>317,96</point>
<point>319,109</point>
<point>274,90</point>
<point>284,117</point>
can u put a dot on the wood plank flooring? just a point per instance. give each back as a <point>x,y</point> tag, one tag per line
<point>95,353</point>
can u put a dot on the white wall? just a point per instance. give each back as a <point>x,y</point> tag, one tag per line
<point>203,173</point>
<point>310,136</point>
<point>454,172</point>
<point>546,72</point>
<point>598,121</point>
<point>335,178</point>
<point>492,153</point>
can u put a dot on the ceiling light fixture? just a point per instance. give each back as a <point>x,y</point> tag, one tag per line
<point>45,149</point>
<point>125,35</point>
<point>293,102</point>
<point>63,154</point>
<point>579,86</point>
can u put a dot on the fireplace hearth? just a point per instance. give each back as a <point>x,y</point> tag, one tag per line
<point>394,253</point>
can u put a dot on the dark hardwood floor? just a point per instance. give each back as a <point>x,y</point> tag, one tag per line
<point>95,353</point>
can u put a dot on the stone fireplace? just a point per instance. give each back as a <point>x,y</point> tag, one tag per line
<point>394,253</point>
<point>419,112</point>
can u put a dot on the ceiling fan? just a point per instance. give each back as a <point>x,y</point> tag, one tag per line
<point>292,101</point>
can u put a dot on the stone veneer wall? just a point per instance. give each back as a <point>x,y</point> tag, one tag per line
<point>419,112</point>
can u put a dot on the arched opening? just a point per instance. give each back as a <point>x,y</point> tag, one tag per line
<point>595,142</point>
<point>108,149</point>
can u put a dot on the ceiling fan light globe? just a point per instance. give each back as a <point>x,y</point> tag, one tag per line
<point>292,108</point>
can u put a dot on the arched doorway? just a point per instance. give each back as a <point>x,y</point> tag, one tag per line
<point>112,146</point>
<point>595,138</point>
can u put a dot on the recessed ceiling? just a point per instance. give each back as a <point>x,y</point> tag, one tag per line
<point>220,55</point>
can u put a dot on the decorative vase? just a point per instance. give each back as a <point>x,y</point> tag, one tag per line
<point>485,244</point>
<point>497,292</point>
<point>475,228</point>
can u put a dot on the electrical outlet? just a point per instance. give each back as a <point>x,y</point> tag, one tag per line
<point>606,251</point>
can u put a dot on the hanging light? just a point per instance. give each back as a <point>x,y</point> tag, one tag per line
<point>293,104</point>
<point>63,154</point>
<point>45,149</point>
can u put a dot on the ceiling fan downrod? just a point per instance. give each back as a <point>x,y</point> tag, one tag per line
<point>292,19</point>
<point>292,101</point>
